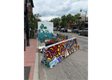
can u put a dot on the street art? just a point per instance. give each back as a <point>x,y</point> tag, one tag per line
<point>54,54</point>
<point>45,31</point>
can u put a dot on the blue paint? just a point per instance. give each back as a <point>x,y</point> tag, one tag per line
<point>44,34</point>
<point>53,62</point>
<point>59,59</point>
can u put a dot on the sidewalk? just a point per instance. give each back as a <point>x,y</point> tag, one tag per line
<point>41,67</point>
<point>30,57</point>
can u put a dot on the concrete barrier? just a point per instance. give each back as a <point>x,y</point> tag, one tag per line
<point>55,53</point>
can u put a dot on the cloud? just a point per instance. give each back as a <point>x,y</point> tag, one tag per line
<point>47,18</point>
<point>53,8</point>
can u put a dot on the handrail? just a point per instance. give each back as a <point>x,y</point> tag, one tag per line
<point>54,54</point>
<point>59,42</point>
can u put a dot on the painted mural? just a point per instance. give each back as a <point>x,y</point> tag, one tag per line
<point>54,54</point>
<point>45,31</point>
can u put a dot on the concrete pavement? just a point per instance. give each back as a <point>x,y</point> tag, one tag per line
<point>29,59</point>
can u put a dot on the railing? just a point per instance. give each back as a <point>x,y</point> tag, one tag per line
<point>55,53</point>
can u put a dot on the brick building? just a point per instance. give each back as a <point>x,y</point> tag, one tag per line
<point>28,5</point>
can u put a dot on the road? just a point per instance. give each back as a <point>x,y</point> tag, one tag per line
<point>74,67</point>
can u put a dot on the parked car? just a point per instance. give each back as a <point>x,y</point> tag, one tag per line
<point>63,30</point>
<point>84,32</point>
<point>58,29</point>
<point>55,29</point>
<point>80,31</point>
<point>75,31</point>
<point>69,30</point>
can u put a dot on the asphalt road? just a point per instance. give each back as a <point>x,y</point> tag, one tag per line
<point>74,67</point>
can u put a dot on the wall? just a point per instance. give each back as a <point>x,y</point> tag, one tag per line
<point>55,53</point>
<point>45,31</point>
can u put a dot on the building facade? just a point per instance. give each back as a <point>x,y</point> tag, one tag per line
<point>28,6</point>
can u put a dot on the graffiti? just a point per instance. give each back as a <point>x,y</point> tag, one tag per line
<point>44,32</point>
<point>53,62</point>
<point>55,53</point>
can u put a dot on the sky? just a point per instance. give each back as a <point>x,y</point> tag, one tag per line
<point>49,9</point>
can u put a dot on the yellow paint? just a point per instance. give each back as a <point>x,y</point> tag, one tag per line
<point>59,53</point>
<point>58,49</point>
<point>49,59</point>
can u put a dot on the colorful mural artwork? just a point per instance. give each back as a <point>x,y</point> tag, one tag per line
<point>45,31</point>
<point>55,53</point>
<point>56,38</point>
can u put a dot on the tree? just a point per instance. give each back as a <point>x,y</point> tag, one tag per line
<point>37,16</point>
<point>56,22</point>
<point>66,21</point>
<point>77,18</point>
<point>32,25</point>
<point>63,21</point>
<point>69,18</point>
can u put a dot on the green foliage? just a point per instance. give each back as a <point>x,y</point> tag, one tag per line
<point>65,20</point>
<point>32,25</point>
<point>56,22</point>
<point>37,17</point>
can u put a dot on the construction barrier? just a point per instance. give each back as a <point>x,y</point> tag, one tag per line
<point>55,53</point>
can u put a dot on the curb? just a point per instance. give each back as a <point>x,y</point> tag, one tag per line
<point>36,71</point>
<point>42,72</point>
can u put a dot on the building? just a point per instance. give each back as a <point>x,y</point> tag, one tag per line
<point>81,22</point>
<point>28,5</point>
